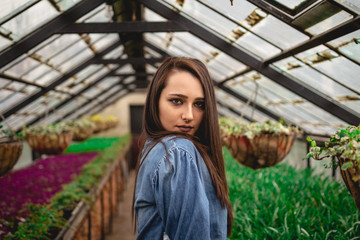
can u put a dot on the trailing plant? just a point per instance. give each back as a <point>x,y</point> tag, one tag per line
<point>82,123</point>
<point>9,135</point>
<point>47,129</point>
<point>236,128</point>
<point>345,143</point>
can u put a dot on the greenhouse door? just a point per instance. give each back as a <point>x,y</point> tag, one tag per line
<point>136,118</point>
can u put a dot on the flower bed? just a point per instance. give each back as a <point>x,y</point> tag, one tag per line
<point>45,220</point>
<point>36,184</point>
<point>284,203</point>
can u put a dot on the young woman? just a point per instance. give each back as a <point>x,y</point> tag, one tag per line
<point>181,190</point>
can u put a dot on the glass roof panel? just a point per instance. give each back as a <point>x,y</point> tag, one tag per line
<point>125,69</point>
<point>116,53</point>
<point>223,111</point>
<point>274,30</point>
<point>229,64</point>
<point>10,7</point>
<point>330,22</point>
<point>22,67</point>
<point>99,72</point>
<point>17,122</point>
<point>5,94</point>
<point>238,12</point>
<point>4,43</point>
<point>280,100</point>
<point>314,77</point>
<point>11,101</point>
<point>37,72</point>
<point>343,70</point>
<point>108,82</point>
<point>103,14</point>
<point>148,14</point>
<point>205,15</point>
<point>291,4</point>
<point>76,58</point>
<point>4,82</point>
<point>101,41</point>
<point>241,107</point>
<point>349,45</point>
<point>48,78</point>
<point>30,19</point>
<point>92,92</point>
<point>257,46</point>
<point>56,45</point>
<point>66,4</point>
<point>354,5</point>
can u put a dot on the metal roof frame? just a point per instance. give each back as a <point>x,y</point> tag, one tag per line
<point>60,80</point>
<point>46,31</point>
<point>316,98</point>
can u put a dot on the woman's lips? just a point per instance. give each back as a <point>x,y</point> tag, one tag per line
<point>185,128</point>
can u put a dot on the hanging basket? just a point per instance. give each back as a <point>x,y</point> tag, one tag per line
<point>49,143</point>
<point>264,150</point>
<point>351,178</point>
<point>99,126</point>
<point>82,133</point>
<point>10,151</point>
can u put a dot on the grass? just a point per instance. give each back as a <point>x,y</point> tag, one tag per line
<point>283,203</point>
<point>91,144</point>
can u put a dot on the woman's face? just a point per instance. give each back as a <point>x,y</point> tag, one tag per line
<point>182,103</point>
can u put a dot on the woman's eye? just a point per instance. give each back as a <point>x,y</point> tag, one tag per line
<point>175,101</point>
<point>200,105</point>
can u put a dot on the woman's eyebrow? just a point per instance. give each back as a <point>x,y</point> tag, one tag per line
<point>178,95</point>
<point>186,97</point>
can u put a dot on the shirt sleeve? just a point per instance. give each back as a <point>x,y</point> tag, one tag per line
<point>181,198</point>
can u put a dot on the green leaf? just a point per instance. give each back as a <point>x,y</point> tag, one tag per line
<point>313,143</point>
<point>308,139</point>
<point>346,165</point>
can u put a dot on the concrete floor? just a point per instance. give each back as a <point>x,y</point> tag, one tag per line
<point>123,227</point>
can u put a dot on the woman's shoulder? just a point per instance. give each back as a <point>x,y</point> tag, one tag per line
<point>170,144</point>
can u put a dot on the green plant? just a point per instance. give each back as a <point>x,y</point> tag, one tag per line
<point>54,128</point>
<point>250,130</point>
<point>282,202</point>
<point>37,225</point>
<point>83,123</point>
<point>345,143</point>
<point>44,218</point>
<point>10,134</point>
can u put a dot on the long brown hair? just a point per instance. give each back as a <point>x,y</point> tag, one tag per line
<point>207,138</point>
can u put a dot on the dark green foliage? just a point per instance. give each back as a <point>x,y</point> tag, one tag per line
<point>283,203</point>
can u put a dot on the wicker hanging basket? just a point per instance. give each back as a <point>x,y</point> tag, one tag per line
<point>49,143</point>
<point>10,151</point>
<point>99,126</point>
<point>82,133</point>
<point>351,178</point>
<point>264,150</point>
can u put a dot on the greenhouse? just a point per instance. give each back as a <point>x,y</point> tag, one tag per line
<point>74,76</point>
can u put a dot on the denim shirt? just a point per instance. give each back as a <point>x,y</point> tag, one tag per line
<point>177,200</point>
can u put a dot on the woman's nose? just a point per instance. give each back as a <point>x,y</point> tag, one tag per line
<point>188,114</point>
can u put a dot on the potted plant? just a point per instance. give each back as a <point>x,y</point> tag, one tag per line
<point>257,145</point>
<point>344,149</point>
<point>49,139</point>
<point>82,128</point>
<point>11,146</point>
